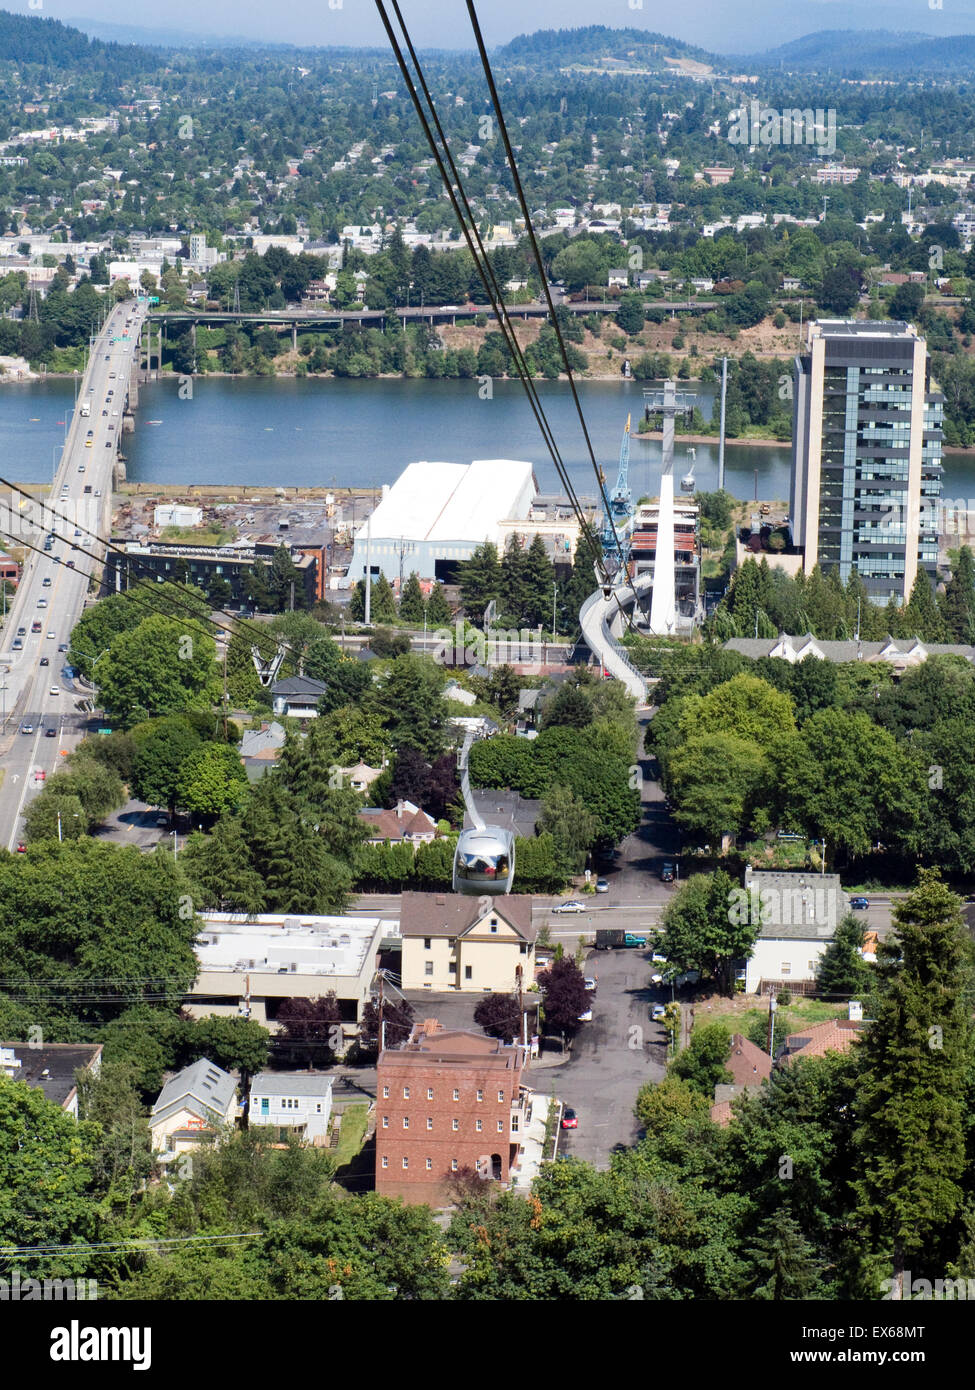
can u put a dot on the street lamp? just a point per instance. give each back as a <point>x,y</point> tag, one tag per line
<point>74,815</point>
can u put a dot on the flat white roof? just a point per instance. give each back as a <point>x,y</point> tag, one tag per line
<point>452,501</point>
<point>336,946</point>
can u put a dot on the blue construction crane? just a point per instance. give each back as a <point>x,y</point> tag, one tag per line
<point>620,506</point>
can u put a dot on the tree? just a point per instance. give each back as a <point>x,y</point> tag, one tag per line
<point>164,665</point>
<point>703,931</point>
<point>382,605</point>
<point>704,1063</point>
<point>564,996</point>
<point>671,1103</point>
<point>44,814</point>
<point>840,289</point>
<point>716,781</point>
<point>480,581</point>
<point>218,870</point>
<point>410,705</point>
<point>842,972</point>
<point>439,611</point>
<point>312,1028</point>
<point>846,781</point>
<point>236,1044</point>
<point>913,1082</point>
<point>569,706</point>
<point>629,314</point>
<point>500,1016</point>
<point>397,1024</point>
<point>46,1166</point>
<point>211,781</point>
<point>411,600</point>
<point>959,599</point>
<point>573,829</point>
<point>783,1263</point>
<point>905,302</point>
<point>163,746</point>
<point>745,707</point>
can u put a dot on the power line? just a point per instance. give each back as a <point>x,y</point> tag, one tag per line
<point>471,233</point>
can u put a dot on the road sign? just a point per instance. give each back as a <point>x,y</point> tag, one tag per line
<point>154,299</point>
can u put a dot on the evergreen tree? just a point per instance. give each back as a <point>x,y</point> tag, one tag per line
<point>915,1060</point>
<point>843,973</point>
<point>921,615</point>
<point>539,576</point>
<point>439,611</point>
<point>383,603</point>
<point>959,598</point>
<point>515,580</point>
<point>411,600</point>
<point>784,1265</point>
<point>480,581</point>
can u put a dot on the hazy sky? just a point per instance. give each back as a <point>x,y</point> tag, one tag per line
<point>726,25</point>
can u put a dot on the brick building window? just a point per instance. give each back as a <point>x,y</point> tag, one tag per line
<point>429,1093</point>
<point>385,1093</point>
<point>501,1126</point>
<point>406,1121</point>
<point>455,1125</point>
<point>406,1162</point>
<point>429,1165</point>
<point>480,1095</point>
<point>501,1097</point>
<point>453,1165</point>
<point>406,1092</point>
<point>456,1094</point>
<point>429,1122</point>
<point>385,1122</point>
<point>478,1125</point>
<point>385,1161</point>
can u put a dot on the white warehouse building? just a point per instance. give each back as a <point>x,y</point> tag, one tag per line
<point>436,514</point>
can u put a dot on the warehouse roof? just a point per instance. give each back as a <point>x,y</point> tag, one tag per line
<point>452,501</point>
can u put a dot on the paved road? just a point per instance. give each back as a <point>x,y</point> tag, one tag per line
<point>52,591</point>
<point>611,1058</point>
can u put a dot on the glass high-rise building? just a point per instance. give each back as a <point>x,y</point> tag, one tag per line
<point>866,455</point>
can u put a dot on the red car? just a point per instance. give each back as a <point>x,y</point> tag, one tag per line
<point>569,1119</point>
<point>21,848</point>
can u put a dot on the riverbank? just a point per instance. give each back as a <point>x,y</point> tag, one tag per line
<point>655,437</point>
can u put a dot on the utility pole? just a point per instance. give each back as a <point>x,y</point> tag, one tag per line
<point>724,393</point>
<point>368,606</point>
<point>382,1022</point>
<point>225,651</point>
<point>554,593</point>
<point>771,1023</point>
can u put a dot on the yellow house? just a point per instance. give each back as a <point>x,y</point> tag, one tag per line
<point>451,943</point>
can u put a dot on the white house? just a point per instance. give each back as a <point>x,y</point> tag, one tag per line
<point>192,1103</point>
<point>798,915</point>
<point>299,1102</point>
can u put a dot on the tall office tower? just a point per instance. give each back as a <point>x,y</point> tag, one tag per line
<point>866,455</point>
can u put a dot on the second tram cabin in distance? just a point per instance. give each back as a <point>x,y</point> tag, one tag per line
<point>484,861</point>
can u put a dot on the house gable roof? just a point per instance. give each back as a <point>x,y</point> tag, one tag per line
<point>453,914</point>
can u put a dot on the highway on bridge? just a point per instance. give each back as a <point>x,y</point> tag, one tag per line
<point>36,698</point>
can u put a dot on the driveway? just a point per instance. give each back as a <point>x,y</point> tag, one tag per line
<point>611,1057</point>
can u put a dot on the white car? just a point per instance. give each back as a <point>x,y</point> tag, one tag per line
<point>571,906</point>
<point>657,1012</point>
<point>55,690</point>
<point>586,1017</point>
<point>590,983</point>
<point>659,958</point>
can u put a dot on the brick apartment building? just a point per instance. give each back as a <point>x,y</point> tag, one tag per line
<point>447,1102</point>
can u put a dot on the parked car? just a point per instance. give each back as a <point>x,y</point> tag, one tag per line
<point>21,848</point>
<point>55,690</point>
<point>602,886</point>
<point>571,906</point>
<point>860,903</point>
<point>586,1017</point>
<point>657,1012</point>
<point>62,646</point>
<point>569,1119</point>
<point>667,873</point>
<point>590,984</point>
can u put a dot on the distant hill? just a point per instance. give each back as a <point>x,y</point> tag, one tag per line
<point>167,38</point>
<point>28,40</point>
<point>588,46</point>
<point>874,52</point>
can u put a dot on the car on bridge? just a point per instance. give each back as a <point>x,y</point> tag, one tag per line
<point>860,903</point>
<point>26,728</point>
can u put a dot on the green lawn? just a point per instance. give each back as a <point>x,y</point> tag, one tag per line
<point>352,1133</point>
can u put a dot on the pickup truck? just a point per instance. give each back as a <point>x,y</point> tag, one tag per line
<point>610,938</point>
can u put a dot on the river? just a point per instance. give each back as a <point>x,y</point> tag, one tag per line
<point>338,432</point>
